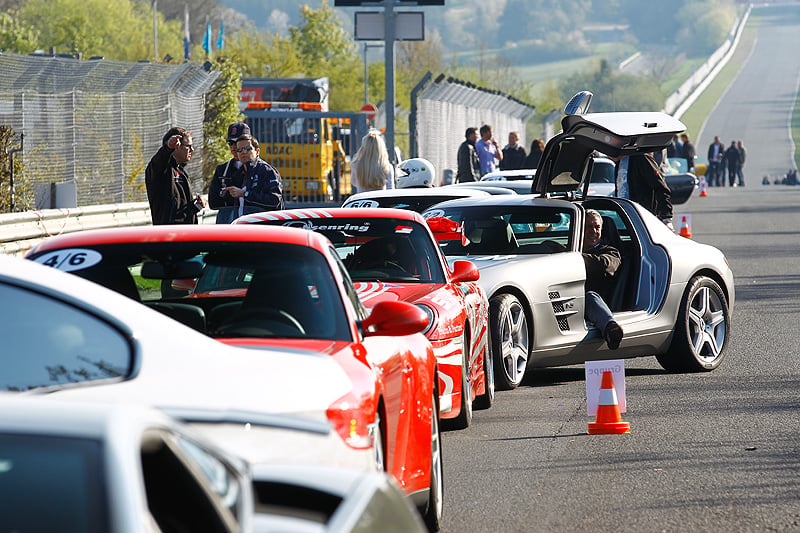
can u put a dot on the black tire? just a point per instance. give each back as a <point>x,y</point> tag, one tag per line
<point>510,340</point>
<point>700,340</point>
<point>432,514</point>
<point>464,418</point>
<point>485,400</point>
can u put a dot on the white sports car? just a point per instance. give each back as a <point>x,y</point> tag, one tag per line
<point>673,297</point>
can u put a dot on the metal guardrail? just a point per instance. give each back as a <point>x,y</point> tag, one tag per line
<point>19,232</point>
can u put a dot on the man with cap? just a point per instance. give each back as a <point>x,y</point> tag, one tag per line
<point>226,175</point>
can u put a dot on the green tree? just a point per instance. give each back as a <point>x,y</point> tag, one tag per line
<point>614,91</point>
<point>258,54</point>
<point>121,30</point>
<point>327,49</point>
<point>15,36</point>
<point>222,110</point>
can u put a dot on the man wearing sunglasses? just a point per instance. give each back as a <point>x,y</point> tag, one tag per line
<point>226,175</point>
<point>261,188</point>
<point>168,187</point>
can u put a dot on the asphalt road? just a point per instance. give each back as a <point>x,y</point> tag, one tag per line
<point>717,451</point>
<point>707,452</point>
<point>758,104</point>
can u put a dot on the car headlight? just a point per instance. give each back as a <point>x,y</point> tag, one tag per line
<point>431,317</point>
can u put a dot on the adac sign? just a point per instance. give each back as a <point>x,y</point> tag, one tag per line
<point>277,149</point>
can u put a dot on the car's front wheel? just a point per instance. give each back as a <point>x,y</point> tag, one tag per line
<point>510,340</point>
<point>701,331</point>
<point>434,509</point>
<point>464,418</point>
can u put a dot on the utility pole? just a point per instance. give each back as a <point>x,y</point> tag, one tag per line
<point>155,31</point>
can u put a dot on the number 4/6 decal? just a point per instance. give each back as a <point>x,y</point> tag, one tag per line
<point>70,259</point>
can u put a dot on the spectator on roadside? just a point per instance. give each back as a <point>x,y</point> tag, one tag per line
<point>168,189</point>
<point>742,158</point>
<point>513,153</point>
<point>469,167</point>
<point>371,168</point>
<point>489,154</point>
<point>673,148</point>
<point>688,152</point>
<point>261,188</point>
<point>731,161</point>
<point>715,151</point>
<point>639,178</point>
<point>537,147</point>
<point>602,260</point>
<point>226,174</point>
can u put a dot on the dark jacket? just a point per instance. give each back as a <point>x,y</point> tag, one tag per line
<point>225,175</point>
<point>513,157</point>
<point>532,161</point>
<point>469,166</point>
<point>262,186</point>
<point>689,154</point>
<point>732,158</point>
<point>602,262</point>
<point>646,185</point>
<point>168,190</point>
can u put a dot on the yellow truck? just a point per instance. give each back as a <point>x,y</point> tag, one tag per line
<point>299,137</point>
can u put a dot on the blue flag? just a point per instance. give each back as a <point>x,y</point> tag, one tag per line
<point>207,38</point>
<point>221,36</point>
<point>186,39</point>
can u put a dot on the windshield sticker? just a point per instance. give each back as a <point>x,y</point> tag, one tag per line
<point>361,203</point>
<point>70,259</point>
<point>307,224</point>
<point>433,213</point>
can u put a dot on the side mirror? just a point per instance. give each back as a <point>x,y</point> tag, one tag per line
<point>579,104</point>
<point>465,271</point>
<point>394,319</point>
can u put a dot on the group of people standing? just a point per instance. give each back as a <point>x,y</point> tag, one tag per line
<point>244,184</point>
<point>479,156</point>
<point>722,160</point>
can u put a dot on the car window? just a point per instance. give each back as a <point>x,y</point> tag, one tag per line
<point>379,249</point>
<point>508,230</point>
<point>50,483</point>
<point>226,289</point>
<point>47,342</point>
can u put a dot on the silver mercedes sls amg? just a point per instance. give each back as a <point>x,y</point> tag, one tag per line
<point>673,296</point>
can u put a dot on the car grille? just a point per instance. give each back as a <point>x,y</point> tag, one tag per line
<point>562,309</point>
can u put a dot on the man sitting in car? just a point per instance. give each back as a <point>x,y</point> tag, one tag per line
<point>602,261</point>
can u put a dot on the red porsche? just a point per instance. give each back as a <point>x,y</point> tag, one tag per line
<point>272,286</point>
<point>391,256</point>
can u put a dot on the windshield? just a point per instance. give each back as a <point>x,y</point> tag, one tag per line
<point>379,249</point>
<point>502,229</point>
<point>228,289</point>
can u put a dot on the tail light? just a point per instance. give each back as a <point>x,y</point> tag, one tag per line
<point>352,419</point>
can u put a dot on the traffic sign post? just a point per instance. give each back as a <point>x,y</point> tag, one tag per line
<point>370,110</point>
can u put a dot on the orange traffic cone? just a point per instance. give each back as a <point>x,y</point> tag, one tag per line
<point>609,421</point>
<point>703,187</point>
<point>685,230</point>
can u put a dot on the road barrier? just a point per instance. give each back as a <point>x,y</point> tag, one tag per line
<point>19,232</point>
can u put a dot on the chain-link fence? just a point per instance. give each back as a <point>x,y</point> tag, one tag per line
<point>444,108</point>
<point>96,123</point>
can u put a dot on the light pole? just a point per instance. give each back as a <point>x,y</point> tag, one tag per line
<point>155,30</point>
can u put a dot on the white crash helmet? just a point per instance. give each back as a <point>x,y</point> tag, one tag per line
<point>416,172</point>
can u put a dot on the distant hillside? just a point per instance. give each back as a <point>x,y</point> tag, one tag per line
<point>527,32</point>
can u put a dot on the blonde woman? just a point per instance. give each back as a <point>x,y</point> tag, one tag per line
<point>370,167</point>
